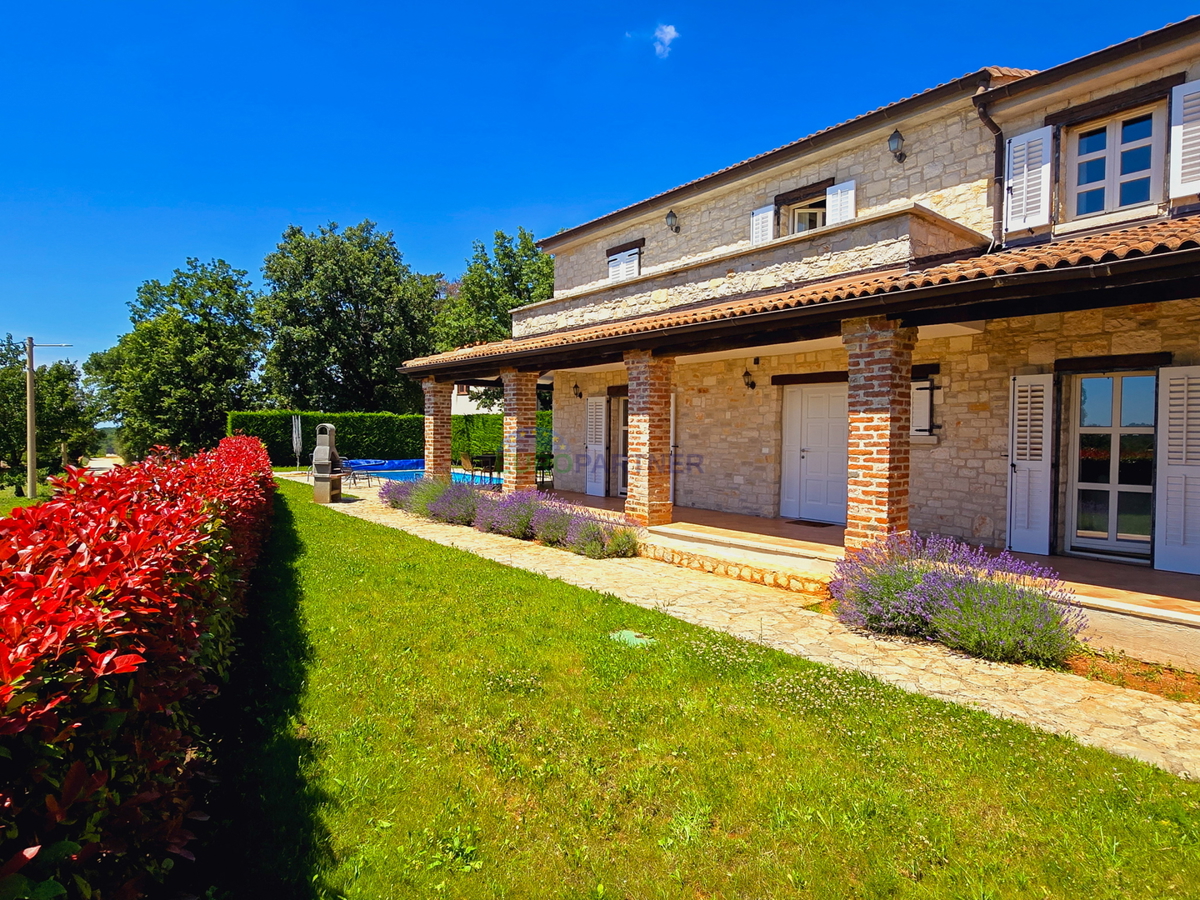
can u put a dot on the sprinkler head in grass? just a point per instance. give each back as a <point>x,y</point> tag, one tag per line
<point>632,638</point>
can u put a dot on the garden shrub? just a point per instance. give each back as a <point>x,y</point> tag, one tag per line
<point>512,514</point>
<point>622,542</point>
<point>117,604</point>
<point>528,515</point>
<point>991,605</point>
<point>455,505</point>
<point>550,523</point>
<point>379,435</point>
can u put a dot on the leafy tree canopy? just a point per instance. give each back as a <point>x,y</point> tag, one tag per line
<point>191,358</point>
<point>342,314</point>
<point>477,308</point>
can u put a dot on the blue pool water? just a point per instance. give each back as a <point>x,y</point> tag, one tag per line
<point>418,474</point>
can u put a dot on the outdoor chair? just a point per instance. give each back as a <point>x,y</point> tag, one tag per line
<point>544,472</point>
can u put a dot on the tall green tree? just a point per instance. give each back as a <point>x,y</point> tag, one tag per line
<point>478,308</point>
<point>342,313</point>
<point>66,414</point>
<point>191,357</point>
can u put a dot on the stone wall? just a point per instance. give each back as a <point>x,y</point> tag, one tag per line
<point>959,479</point>
<point>948,170</point>
<point>887,240</point>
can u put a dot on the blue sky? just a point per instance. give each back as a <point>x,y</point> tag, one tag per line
<point>138,134</point>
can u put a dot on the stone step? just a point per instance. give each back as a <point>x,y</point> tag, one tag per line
<point>802,551</point>
<point>803,575</point>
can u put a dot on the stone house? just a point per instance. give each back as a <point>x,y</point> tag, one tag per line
<point>975,311</point>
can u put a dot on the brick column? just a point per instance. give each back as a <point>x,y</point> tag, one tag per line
<point>880,408</point>
<point>650,381</point>
<point>437,427</point>
<point>520,429</point>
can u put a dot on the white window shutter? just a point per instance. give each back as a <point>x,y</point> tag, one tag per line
<point>840,203</point>
<point>1027,204</point>
<point>1030,496</point>
<point>632,266</point>
<point>625,265</point>
<point>596,446</point>
<point>762,225</point>
<point>1185,139</point>
<point>1177,500</point>
<point>922,408</point>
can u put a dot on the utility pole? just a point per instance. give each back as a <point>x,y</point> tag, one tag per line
<point>31,418</point>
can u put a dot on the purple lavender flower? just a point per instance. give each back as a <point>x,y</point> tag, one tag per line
<point>989,604</point>
<point>456,504</point>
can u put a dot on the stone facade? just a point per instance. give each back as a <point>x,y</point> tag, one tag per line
<point>729,437</point>
<point>520,429</point>
<point>437,427</point>
<point>889,238</point>
<point>948,170</point>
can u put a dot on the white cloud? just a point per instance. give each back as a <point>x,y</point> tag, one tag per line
<point>663,36</point>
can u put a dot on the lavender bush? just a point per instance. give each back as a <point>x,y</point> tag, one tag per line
<point>395,493</point>
<point>990,605</point>
<point>551,522</point>
<point>525,514</point>
<point>457,504</point>
<point>511,514</point>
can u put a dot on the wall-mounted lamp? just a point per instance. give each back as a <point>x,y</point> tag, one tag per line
<point>748,380</point>
<point>577,392</point>
<point>896,145</point>
<point>672,221</point>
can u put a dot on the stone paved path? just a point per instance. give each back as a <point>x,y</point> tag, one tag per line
<point>1130,723</point>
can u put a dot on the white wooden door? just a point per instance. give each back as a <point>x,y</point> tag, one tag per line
<point>815,436</point>
<point>596,446</point>
<point>789,481</point>
<point>1029,458</point>
<point>620,453</point>
<point>1177,513</point>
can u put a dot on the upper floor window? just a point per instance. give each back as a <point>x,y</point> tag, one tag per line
<point>625,260</point>
<point>1109,164</point>
<point>807,216</point>
<point>1116,163</point>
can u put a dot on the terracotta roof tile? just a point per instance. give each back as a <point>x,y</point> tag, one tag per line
<point>1140,240</point>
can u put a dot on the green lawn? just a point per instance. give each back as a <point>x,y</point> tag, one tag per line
<point>407,720</point>
<point>9,501</point>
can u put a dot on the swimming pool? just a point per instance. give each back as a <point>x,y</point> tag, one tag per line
<point>418,474</point>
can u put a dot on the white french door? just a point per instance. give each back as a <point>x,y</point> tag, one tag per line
<point>813,483</point>
<point>1110,504</point>
<point>620,452</point>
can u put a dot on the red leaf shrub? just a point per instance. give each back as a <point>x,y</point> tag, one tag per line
<point>117,604</point>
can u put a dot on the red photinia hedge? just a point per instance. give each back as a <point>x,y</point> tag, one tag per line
<point>117,603</point>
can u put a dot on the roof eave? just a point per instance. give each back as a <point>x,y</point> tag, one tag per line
<point>888,303</point>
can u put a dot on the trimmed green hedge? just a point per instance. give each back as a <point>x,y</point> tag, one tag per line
<point>376,435</point>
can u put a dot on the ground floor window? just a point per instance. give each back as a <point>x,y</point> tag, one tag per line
<point>1111,495</point>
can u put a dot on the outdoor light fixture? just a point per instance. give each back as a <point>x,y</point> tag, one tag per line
<point>672,222</point>
<point>748,380</point>
<point>896,145</point>
<point>577,392</point>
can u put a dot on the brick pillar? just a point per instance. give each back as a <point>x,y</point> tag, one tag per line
<point>650,380</point>
<point>520,429</point>
<point>880,408</point>
<point>437,427</point>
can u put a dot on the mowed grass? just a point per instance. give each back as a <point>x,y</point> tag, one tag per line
<point>9,501</point>
<point>407,720</point>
